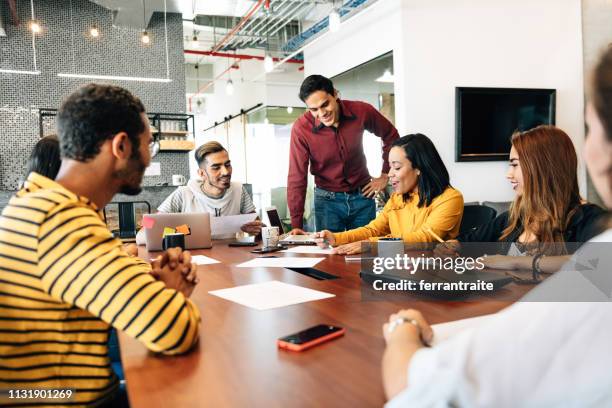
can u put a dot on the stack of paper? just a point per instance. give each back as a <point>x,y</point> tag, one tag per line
<point>270,295</point>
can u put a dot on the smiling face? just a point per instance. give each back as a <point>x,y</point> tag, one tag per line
<point>403,177</point>
<point>324,107</point>
<point>598,156</point>
<point>216,171</point>
<point>515,173</point>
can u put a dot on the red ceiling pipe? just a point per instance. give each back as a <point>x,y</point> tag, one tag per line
<point>238,26</point>
<point>237,56</point>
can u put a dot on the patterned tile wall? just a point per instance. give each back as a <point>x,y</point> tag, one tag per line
<point>65,47</point>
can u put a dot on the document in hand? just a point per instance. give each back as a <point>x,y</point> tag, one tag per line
<point>229,225</point>
<point>270,295</point>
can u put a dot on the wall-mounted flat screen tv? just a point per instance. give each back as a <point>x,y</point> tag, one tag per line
<point>485,119</point>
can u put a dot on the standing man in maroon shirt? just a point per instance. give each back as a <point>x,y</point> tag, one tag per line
<point>329,138</point>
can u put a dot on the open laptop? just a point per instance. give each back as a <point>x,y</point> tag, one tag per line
<point>286,238</point>
<point>198,225</point>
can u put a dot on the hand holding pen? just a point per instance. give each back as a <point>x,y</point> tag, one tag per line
<point>324,239</point>
<point>448,248</point>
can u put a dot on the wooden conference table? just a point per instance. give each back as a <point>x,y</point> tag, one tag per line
<point>237,363</point>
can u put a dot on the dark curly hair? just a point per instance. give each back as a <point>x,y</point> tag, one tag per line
<point>94,113</point>
<point>315,83</point>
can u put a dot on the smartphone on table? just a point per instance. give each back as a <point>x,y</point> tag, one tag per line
<point>310,337</point>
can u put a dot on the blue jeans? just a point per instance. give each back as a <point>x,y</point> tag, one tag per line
<point>339,212</point>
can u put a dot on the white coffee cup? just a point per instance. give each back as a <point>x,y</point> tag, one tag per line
<point>269,236</point>
<point>178,179</point>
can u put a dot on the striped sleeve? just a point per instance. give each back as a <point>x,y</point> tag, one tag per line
<point>173,203</point>
<point>246,203</point>
<point>81,263</point>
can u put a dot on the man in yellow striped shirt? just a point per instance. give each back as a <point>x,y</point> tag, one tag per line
<point>64,279</point>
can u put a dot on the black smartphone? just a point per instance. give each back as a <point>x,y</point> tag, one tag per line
<point>310,337</point>
<point>265,250</point>
<point>242,244</point>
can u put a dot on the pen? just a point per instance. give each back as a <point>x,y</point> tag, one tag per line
<point>433,234</point>
<point>325,241</point>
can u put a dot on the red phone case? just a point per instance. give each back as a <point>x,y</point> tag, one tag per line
<point>301,347</point>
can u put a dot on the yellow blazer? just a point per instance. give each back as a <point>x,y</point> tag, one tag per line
<point>406,220</point>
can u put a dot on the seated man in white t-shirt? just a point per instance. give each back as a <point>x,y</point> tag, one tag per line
<point>212,192</point>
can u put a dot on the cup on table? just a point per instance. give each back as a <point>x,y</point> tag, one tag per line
<point>173,241</point>
<point>269,236</point>
<point>178,180</point>
<point>390,247</point>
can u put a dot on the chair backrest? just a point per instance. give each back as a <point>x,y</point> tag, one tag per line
<point>499,206</point>
<point>126,217</point>
<point>475,215</point>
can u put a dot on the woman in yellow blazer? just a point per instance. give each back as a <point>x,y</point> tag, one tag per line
<point>422,201</point>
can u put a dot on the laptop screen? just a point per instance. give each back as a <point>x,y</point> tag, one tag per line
<point>275,220</point>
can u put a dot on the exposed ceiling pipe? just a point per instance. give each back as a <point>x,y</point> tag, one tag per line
<point>249,24</point>
<point>318,38</point>
<point>282,21</point>
<point>240,24</point>
<point>294,16</point>
<point>281,9</point>
<point>236,56</point>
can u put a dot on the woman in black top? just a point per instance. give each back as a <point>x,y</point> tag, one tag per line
<point>547,216</point>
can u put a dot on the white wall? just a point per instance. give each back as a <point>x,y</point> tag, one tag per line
<point>447,43</point>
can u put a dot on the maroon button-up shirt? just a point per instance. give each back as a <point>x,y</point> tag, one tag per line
<point>335,156</point>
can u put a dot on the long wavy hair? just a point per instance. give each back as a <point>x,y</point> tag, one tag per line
<point>550,184</point>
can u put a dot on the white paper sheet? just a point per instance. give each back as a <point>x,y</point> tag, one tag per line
<point>229,225</point>
<point>203,260</point>
<point>199,260</point>
<point>443,331</point>
<point>270,295</point>
<point>308,249</point>
<point>281,262</point>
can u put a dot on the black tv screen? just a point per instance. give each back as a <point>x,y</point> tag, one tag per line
<point>487,117</point>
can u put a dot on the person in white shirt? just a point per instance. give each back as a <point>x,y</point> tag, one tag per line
<point>213,191</point>
<point>534,353</point>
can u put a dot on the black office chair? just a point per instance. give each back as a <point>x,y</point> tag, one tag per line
<point>127,218</point>
<point>475,215</point>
